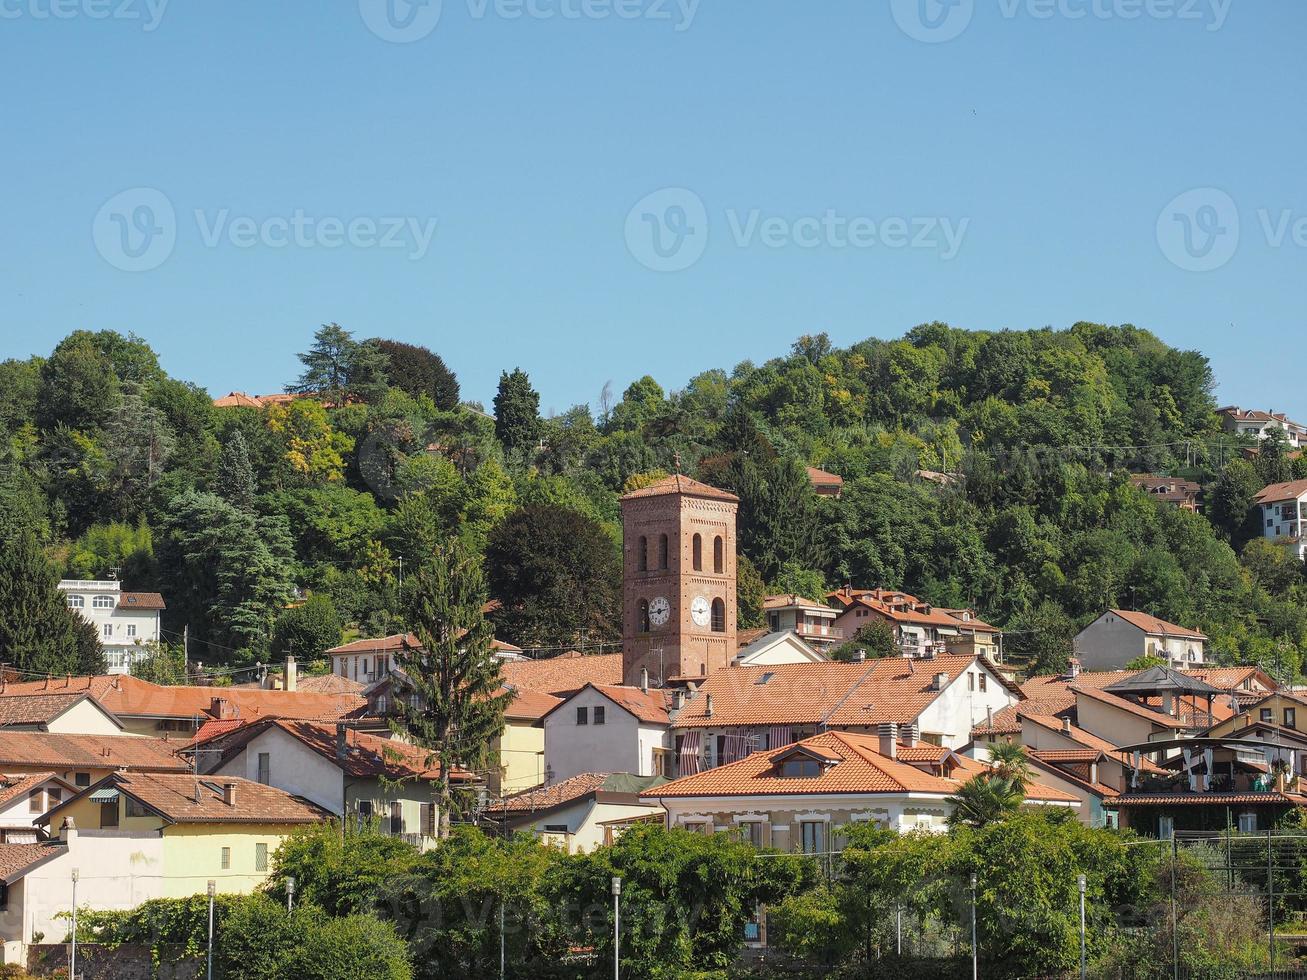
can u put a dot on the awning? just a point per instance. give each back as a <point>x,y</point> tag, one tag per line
<point>105,795</point>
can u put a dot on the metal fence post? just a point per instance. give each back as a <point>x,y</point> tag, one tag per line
<point>1175,924</point>
<point>1083,971</point>
<point>1270,901</point>
<point>898,931</point>
<point>975,954</point>
<point>72,957</point>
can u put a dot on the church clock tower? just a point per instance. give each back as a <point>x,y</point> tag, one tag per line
<point>678,581</point>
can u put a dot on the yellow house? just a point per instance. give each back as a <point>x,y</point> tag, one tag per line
<point>185,830</point>
<point>520,748</point>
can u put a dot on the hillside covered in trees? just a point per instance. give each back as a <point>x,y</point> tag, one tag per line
<point>981,469</point>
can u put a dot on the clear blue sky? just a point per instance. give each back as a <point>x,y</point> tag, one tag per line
<point>1055,143</point>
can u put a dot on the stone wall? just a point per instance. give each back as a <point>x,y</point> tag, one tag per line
<point>127,962</point>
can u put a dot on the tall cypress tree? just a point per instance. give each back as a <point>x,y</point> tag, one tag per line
<point>38,632</point>
<point>517,412</point>
<point>448,690</point>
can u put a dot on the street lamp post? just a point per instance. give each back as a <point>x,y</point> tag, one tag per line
<point>72,956</point>
<point>1083,974</point>
<point>290,893</point>
<point>212,891</point>
<point>975,957</point>
<point>617,928</point>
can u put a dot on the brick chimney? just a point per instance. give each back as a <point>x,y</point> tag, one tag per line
<point>889,739</point>
<point>229,793</point>
<point>342,734</point>
<point>221,709</point>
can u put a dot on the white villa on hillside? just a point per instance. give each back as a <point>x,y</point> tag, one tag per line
<point>1283,514</point>
<point>127,622</point>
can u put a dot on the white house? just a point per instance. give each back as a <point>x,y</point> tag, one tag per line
<point>1122,635</point>
<point>59,712</point>
<point>350,773</point>
<point>607,728</point>
<point>1284,514</point>
<point>1261,424</point>
<point>128,622</point>
<point>588,810</point>
<point>23,798</point>
<point>770,649</point>
<point>806,618</point>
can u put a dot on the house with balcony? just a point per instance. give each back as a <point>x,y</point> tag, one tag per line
<point>920,629</point>
<point>353,775</point>
<point>128,623</point>
<point>1119,636</point>
<point>1260,425</point>
<point>806,618</point>
<point>1284,515</point>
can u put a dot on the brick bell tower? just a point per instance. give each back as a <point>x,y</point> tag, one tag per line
<point>678,581</point>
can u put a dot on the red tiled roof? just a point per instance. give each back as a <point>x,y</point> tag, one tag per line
<point>38,709</point>
<point>399,641</point>
<point>1154,626</point>
<point>17,859</point>
<point>678,483</point>
<point>1090,740</point>
<point>327,684</point>
<point>173,797</point>
<point>646,706</point>
<point>1067,755</point>
<point>562,675</point>
<point>1282,491</point>
<point>1206,799</point>
<point>530,705</point>
<point>820,478</point>
<point>859,768</point>
<point>1138,710</point>
<point>791,600</point>
<point>1008,720</point>
<point>127,696</point>
<point>839,694</point>
<point>16,787</point>
<point>64,752</point>
<point>141,600</point>
<point>744,637</point>
<point>548,797</point>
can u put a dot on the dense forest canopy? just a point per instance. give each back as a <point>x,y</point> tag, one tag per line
<point>980,469</point>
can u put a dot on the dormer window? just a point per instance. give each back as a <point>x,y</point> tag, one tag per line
<point>800,768</point>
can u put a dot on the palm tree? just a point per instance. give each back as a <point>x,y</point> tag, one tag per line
<point>984,799</point>
<point>1009,761</point>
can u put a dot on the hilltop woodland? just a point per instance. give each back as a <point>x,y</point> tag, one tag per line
<point>1025,511</point>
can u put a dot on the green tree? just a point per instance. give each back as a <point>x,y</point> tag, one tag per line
<point>235,477</point>
<point>517,412</point>
<point>163,664</point>
<point>38,632</point>
<point>337,368</point>
<point>983,799</point>
<point>876,639</point>
<point>557,575</point>
<point>79,387</point>
<point>448,688</point>
<point>306,630</point>
<point>1044,637</point>
<point>418,371</point>
<point>341,872</point>
<point>750,590</point>
<point>1231,503</point>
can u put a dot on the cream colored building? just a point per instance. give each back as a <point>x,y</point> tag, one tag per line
<point>581,813</point>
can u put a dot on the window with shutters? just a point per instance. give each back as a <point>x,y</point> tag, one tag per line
<point>260,857</point>
<point>583,716</point>
<point>599,714</point>
<point>34,802</point>
<point>265,768</point>
<point>226,859</point>
<point>396,817</point>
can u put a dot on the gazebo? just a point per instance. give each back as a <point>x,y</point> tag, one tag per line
<point>1168,686</point>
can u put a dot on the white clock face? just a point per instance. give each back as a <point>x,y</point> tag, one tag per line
<point>700,611</point>
<point>660,610</point>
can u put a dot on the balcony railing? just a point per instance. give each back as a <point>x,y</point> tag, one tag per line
<point>819,630</point>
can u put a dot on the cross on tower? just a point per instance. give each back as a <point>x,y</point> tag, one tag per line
<point>676,458</point>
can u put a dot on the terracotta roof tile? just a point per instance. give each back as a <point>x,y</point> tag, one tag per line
<point>37,709</point>
<point>1282,491</point>
<point>561,676</point>
<point>64,752</point>
<point>1154,715</point>
<point>141,600</point>
<point>327,684</point>
<point>1089,740</point>
<point>127,696</point>
<point>839,694</point>
<point>679,483</point>
<point>17,859</point>
<point>821,478</point>
<point>16,787</point>
<point>1154,626</point>
<point>647,706</point>
<point>548,797</point>
<point>1205,799</point>
<point>173,797</point>
<point>531,705</point>
<point>859,769</point>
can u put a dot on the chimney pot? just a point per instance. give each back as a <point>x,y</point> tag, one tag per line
<point>1066,726</point>
<point>291,681</point>
<point>644,679</point>
<point>909,734</point>
<point>341,745</point>
<point>859,655</point>
<point>708,706</point>
<point>889,738</point>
